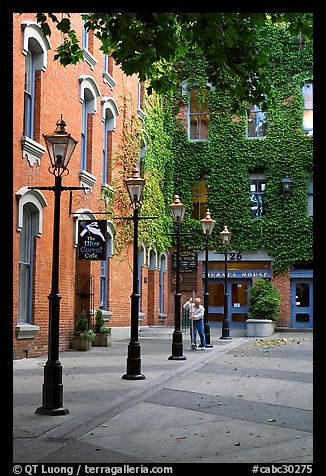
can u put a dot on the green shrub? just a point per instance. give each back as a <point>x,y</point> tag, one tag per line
<point>264,300</point>
<point>81,327</point>
<point>99,327</point>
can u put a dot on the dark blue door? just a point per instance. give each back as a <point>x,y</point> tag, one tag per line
<point>301,303</point>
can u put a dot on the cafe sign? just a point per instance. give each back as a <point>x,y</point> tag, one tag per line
<point>91,239</point>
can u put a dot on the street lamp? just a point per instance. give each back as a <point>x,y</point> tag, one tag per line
<point>60,146</point>
<point>226,237</point>
<point>208,224</point>
<point>135,186</point>
<point>286,186</point>
<point>177,209</point>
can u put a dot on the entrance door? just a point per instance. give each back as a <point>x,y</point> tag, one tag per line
<point>238,301</point>
<point>301,303</point>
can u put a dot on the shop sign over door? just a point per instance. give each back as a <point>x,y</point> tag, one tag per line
<point>91,239</point>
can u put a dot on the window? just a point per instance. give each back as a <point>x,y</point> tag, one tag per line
<point>199,194</point>
<point>140,162</point>
<point>198,117</point>
<point>87,46</point>
<point>104,285</point>
<point>161,285</point>
<point>29,95</point>
<point>84,130</point>
<point>307,92</point>
<point>34,47</point>
<point>109,113</point>
<point>310,197</point>
<point>26,254</point>
<point>257,192</point>
<point>89,92</point>
<point>256,122</point>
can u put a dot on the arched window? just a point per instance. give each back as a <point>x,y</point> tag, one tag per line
<point>104,269</point>
<point>26,261</point>
<point>163,262</point>
<point>89,92</point>
<point>35,47</point>
<point>109,113</point>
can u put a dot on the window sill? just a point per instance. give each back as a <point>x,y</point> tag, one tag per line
<point>86,179</point>
<point>32,151</point>
<point>26,331</point>
<point>141,114</point>
<point>89,58</point>
<point>108,79</point>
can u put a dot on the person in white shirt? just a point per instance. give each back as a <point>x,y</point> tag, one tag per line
<point>197,316</point>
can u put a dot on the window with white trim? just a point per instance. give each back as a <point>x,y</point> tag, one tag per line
<point>256,122</point>
<point>34,47</point>
<point>257,193</point>
<point>307,93</point>
<point>26,261</point>
<point>310,196</point>
<point>198,118</point>
<point>199,199</point>
<point>89,92</point>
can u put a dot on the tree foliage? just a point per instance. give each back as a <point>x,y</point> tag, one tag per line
<point>156,45</point>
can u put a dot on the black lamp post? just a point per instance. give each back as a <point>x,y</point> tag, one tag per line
<point>60,146</point>
<point>135,186</point>
<point>177,209</point>
<point>208,224</point>
<point>225,236</point>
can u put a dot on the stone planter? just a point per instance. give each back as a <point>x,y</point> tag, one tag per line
<point>260,327</point>
<point>81,343</point>
<point>102,340</point>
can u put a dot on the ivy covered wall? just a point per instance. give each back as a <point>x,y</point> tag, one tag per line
<point>172,163</point>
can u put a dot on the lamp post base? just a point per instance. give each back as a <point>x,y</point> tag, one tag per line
<point>225,338</point>
<point>177,357</point>
<point>133,377</point>
<point>52,411</point>
<point>177,347</point>
<point>52,398</point>
<point>133,363</point>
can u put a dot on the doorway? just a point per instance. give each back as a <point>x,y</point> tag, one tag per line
<point>301,303</point>
<point>238,295</point>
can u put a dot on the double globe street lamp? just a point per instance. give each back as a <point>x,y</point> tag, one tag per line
<point>207,224</point>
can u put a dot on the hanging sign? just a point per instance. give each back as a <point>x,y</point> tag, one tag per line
<point>188,261</point>
<point>91,239</point>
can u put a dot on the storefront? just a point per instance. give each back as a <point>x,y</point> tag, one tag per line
<point>242,270</point>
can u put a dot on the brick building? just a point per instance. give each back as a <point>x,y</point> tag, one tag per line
<point>96,100</point>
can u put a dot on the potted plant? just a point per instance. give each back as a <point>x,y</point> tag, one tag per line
<point>102,333</point>
<point>264,308</point>
<point>82,337</point>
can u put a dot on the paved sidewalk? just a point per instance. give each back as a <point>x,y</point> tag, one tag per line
<point>243,401</point>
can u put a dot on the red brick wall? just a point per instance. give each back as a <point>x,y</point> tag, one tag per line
<point>282,284</point>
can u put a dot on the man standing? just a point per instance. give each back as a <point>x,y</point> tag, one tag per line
<point>197,318</point>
